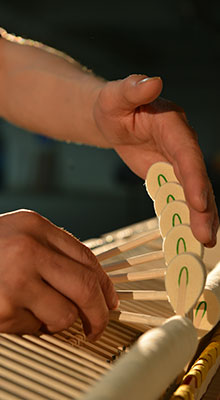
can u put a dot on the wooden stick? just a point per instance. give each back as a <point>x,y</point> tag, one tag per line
<point>118,335</point>
<point>17,349</point>
<point>105,351</point>
<point>48,352</point>
<point>18,392</point>
<point>82,338</point>
<point>22,387</point>
<point>112,340</point>
<point>139,275</point>
<point>37,379</point>
<point>71,349</point>
<point>49,370</point>
<point>131,244</point>
<point>131,261</point>
<point>199,314</point>
<point>141,295</point>
<point>180,309</point>
<point>88,346</point>
<point>125,330</point>
<point>136,318</point>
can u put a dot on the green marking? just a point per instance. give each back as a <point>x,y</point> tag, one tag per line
<point>170,196</point>
<point>178,245</point>
<point>159,179</point>
<point>198,307</point>
<point>180,275</point>
<point>174,217</point>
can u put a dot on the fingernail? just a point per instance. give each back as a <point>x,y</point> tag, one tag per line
<point>148,79</point>
<point>204,199</point>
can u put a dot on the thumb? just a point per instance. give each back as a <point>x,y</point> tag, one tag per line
<point>137,90</point>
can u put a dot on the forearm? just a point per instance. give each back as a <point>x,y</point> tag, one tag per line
<point>46,92</point>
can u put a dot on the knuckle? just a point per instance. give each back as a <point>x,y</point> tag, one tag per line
<point>88,258</point>
<point>25,213</point>
<point>30,217</point>
<point>19,262</point>
<point>132,78</point>
<point>22,243</point>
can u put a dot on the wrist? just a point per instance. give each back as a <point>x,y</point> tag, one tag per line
<point>92,89</point>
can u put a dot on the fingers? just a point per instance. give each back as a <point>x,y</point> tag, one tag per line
<point>79,284</point>
<point>205,225</point>
<point>69,288</point>
<point>183,151</point>
<point>137,90</point>
<point>200,197</point>
<point>54,310</point>
<point>122,97</point>
<point>68,245</point>
<point>64,243</point>
<point>189,165</point>
<point>47,271</point>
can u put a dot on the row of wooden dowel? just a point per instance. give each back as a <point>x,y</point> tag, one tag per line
<point>60,366</point>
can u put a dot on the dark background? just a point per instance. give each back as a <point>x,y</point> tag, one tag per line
<point>90,191</point>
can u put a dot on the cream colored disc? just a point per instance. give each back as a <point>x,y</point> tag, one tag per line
<point>174,213</point>
<point>180,239</point>
<point>166,194</point>
<point>159,174</point>
<point>189,267</point>
<point>206,313</point>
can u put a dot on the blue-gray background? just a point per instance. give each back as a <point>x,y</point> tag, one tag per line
<point>86,190</point>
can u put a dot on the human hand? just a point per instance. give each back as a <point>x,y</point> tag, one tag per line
<point>144,129</point>
<point>47,277</point>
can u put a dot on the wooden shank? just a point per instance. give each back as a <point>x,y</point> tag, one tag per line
<point>139,275</point>
<point>131,261</point>
<point>131,244</point>
<point>135,318</point>
<point>141,295</point>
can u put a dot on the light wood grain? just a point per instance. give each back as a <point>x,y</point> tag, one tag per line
<point>143,238</point>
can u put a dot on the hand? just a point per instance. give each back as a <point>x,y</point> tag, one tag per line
<point>47,277</point>
<point>143,130</point>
